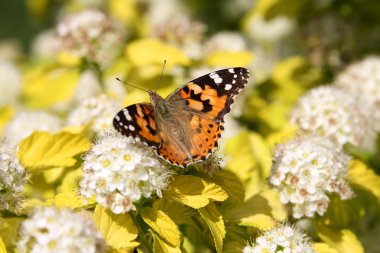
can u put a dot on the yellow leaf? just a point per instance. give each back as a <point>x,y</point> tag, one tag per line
<point>47,86</point>
<point>215,222</point>
<point>341,240</point>
<point>364,178</point>
<point>179,213</point>
<point>284,134</point>
<point>194,191</point>
<point>150,51</point>
<point>125,10</point>
<point>230,183</point>
<point>6,114</point>
<point>265,203</point>
<point>69,199</point>
<point>68,59</point>
<point>118,230</point>
<point>160,246</point>
<point>260,221</point>
<point>2,246</point>
<point>43,150</point>
<point>233,247</point>
<point>71,180</point>
<point>229,59</point>
<point>53,175</point>
<point>161,223</point>
<point>9,229</point>
<point>321,247</point>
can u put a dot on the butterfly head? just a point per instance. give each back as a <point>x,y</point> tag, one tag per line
<point>158,102</point>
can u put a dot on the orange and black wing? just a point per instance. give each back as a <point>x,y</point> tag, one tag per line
<point>138,121</point>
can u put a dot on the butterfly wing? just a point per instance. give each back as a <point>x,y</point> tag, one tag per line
<point>214,93</point>
<point>206,100</point>
<point>138,121</point>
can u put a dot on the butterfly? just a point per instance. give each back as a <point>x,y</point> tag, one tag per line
<point>184,127</point>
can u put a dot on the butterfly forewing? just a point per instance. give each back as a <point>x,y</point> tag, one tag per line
<point>138,121</point>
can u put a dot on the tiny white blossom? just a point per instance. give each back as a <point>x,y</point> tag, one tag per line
<point>92,35</point>
<point>334,113</point>
<point>25,123</point>
<point>305,170</point>
<point>12,177</point>
<point>97,111</point>
<point>269,31</point>
<point>281,239</point>
<point>51,230</point>
<point>10,83</point>
<point>119,171</point>
<point>362,78</point>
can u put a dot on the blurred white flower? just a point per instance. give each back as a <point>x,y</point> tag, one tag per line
<point>363,79</point>
<point>12,177</point>
<point>269,31</point>
<point>334,113</point>
<point>51,230</point>
<point>91,35</point>
<point>305,170</point>
<point>10,83</point>
<point>119,171</point>
<point>45,45</point>
<point>88,86</point>
<point>281,239</point>
<point>225,41</point>
<point>98,111</point>
<point>25,123</point>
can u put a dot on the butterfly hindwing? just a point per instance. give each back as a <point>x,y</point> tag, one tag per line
<point>138,121</point>
<point>213,94</point>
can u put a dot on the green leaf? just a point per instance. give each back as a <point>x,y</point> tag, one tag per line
<point>215,222</point>
<point>179,213</point>
<point>161,223</point>
<point>9,229</point>
<point>194,191</point>
<point>161,246</point>
<point>341,240</point>
<point>118,230</point>
<point>364,178</point>
<point>323,248</point>
<point>43,150</point>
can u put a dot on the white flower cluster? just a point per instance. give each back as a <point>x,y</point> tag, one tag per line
<point>26,122</point>
<point>281,239</point>
<point>92,35</point>
<point>334,113</point>
<point>51,230</point>
<point>363,79</point>
<point>97,111</point>
<point>305,170</point>
<point>12,177</point>
<point>10,83</point>
<point>119,171</point>
<point>225,41</point>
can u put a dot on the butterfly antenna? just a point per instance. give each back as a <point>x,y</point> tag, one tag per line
<point>159,80</point>
<point>131,85</point>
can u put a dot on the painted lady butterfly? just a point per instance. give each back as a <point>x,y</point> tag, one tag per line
<point>185,127</point>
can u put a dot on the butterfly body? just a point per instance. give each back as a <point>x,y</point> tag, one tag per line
<point>185,127</point>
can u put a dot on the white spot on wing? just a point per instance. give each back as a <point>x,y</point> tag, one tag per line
<point>126,114</point>
<point>132,128</point>
<point>235,76</point>
<point>228,87</point>
<point>217,79</point>
<point>233,81</point>
<point>117,118</point>
<point>231,70</point>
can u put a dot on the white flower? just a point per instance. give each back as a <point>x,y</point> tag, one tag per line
<point>26,122</point>
<point>281,239</point>
<point>334,113</point>
<point>305,170</point>
<point>98,111</point>
<point>225,41</point>
<point>269,31</point>
<point>91,35</point>
<point>87,87</point>
<point>51,230</point>
<point>10,83</point>
<point>12,177</point>
<point>119,171</point>
<point>363,78</point>
<point>45,44</point>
